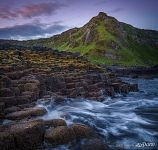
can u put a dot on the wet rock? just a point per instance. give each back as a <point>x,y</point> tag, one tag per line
<point>9,101</point>
<point>82,131</point>
<point>30,87</point>
<point>56,69</point>
<point>28,135</point>
<point>2,106</point>
<point>6,92</point>
<point>133,87</point>
<point>12,109</point>
<point>71,67</point>
<point>70,85</point>
<point>59,99</point>
<point>124,88</point>
<point>28,105</point>
<point>15,75</point>
<point>59,135</point>
<point>100,98</point>
<point>5,82</point>
<point>109,91</point>
<point>23,99</point>
<point>26,113</point>
<point>32,96</point>
<point>116,87</point>
<point>21,87</point>
<point>16,91</point>
<point>7,141</point>
<point>55,123</point>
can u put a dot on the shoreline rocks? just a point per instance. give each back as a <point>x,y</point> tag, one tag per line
<point>29,135</point>
<point>134,72</point>
<point>27,77</point>
<point>24,136</point>
<point>29,83</point>
<point>59,135</point>
<point>26,113</point>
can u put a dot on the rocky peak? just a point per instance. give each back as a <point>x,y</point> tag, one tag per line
<point>100,17</point>
<point>102,14</point>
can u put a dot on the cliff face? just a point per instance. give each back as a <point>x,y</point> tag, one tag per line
<point>106,40</point>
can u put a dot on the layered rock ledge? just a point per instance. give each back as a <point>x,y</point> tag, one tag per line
<point>29,75</point>
<point>26,76</point>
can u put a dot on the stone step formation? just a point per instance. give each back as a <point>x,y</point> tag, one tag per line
<point>26,76</point>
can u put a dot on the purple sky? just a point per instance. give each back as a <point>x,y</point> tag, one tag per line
<point>27,19</point>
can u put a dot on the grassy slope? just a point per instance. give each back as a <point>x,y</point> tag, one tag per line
<point>127,54</point>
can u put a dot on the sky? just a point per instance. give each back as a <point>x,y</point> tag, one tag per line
<point>31,19</point>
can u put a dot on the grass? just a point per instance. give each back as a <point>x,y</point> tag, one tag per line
<point>100,60</point>
<point>103,33</point>
<point>128,53</point>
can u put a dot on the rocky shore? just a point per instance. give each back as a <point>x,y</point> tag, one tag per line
<point>26,76</point>
<point>134,71</point>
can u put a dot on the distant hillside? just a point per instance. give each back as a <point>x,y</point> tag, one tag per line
<point>105,40</point>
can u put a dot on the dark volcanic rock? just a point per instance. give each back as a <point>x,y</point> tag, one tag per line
<point>6,92</point>
<point>59,99</point>
<point>26,113</point>
<point>12,109</point>
<point>28,135</point>
<point>5,82</point>
<point>55,123</point>
<point>59,135</point>
<point>133,87</point>
<point>9,101</point>
<point>134,72</point>
<point>2,106</point>
<point>7,141</point>
<point>22,136</point>
<point>61,75</point>
<point>82,131</point>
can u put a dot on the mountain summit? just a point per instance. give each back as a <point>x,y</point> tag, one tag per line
<point>106,40</point>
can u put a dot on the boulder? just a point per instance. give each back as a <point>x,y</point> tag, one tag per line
<point>117,87</point>
<point>12,109</point>
<point>32,95</point>
<point>5,82</point>
<point>59,135</point>
<point>109,90</point>
<point>23,99</point>
<point>26,113</point>
<point>15,75</point>
<point>125,88</point>
<point>21,87</point>
<point>30,87</point>
<point>59,99</point>
<point>70,85</point>
<point>28,135</point>
<point>2,106</point>
<point>133,87</point>
<point>81,130</point>
<point>6,92</point>
<point>55,123</point>
<point>7,141</point>
<point>9,101</point>
<point>15,90</point>
<point>71,67</point>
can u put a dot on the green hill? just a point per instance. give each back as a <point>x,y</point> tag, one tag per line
<point>106,40</point>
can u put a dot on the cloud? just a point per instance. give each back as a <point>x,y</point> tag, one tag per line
<point>101,2</point>
<point>31,31</point>
<point>117,10</point>
<point>30,11</point>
